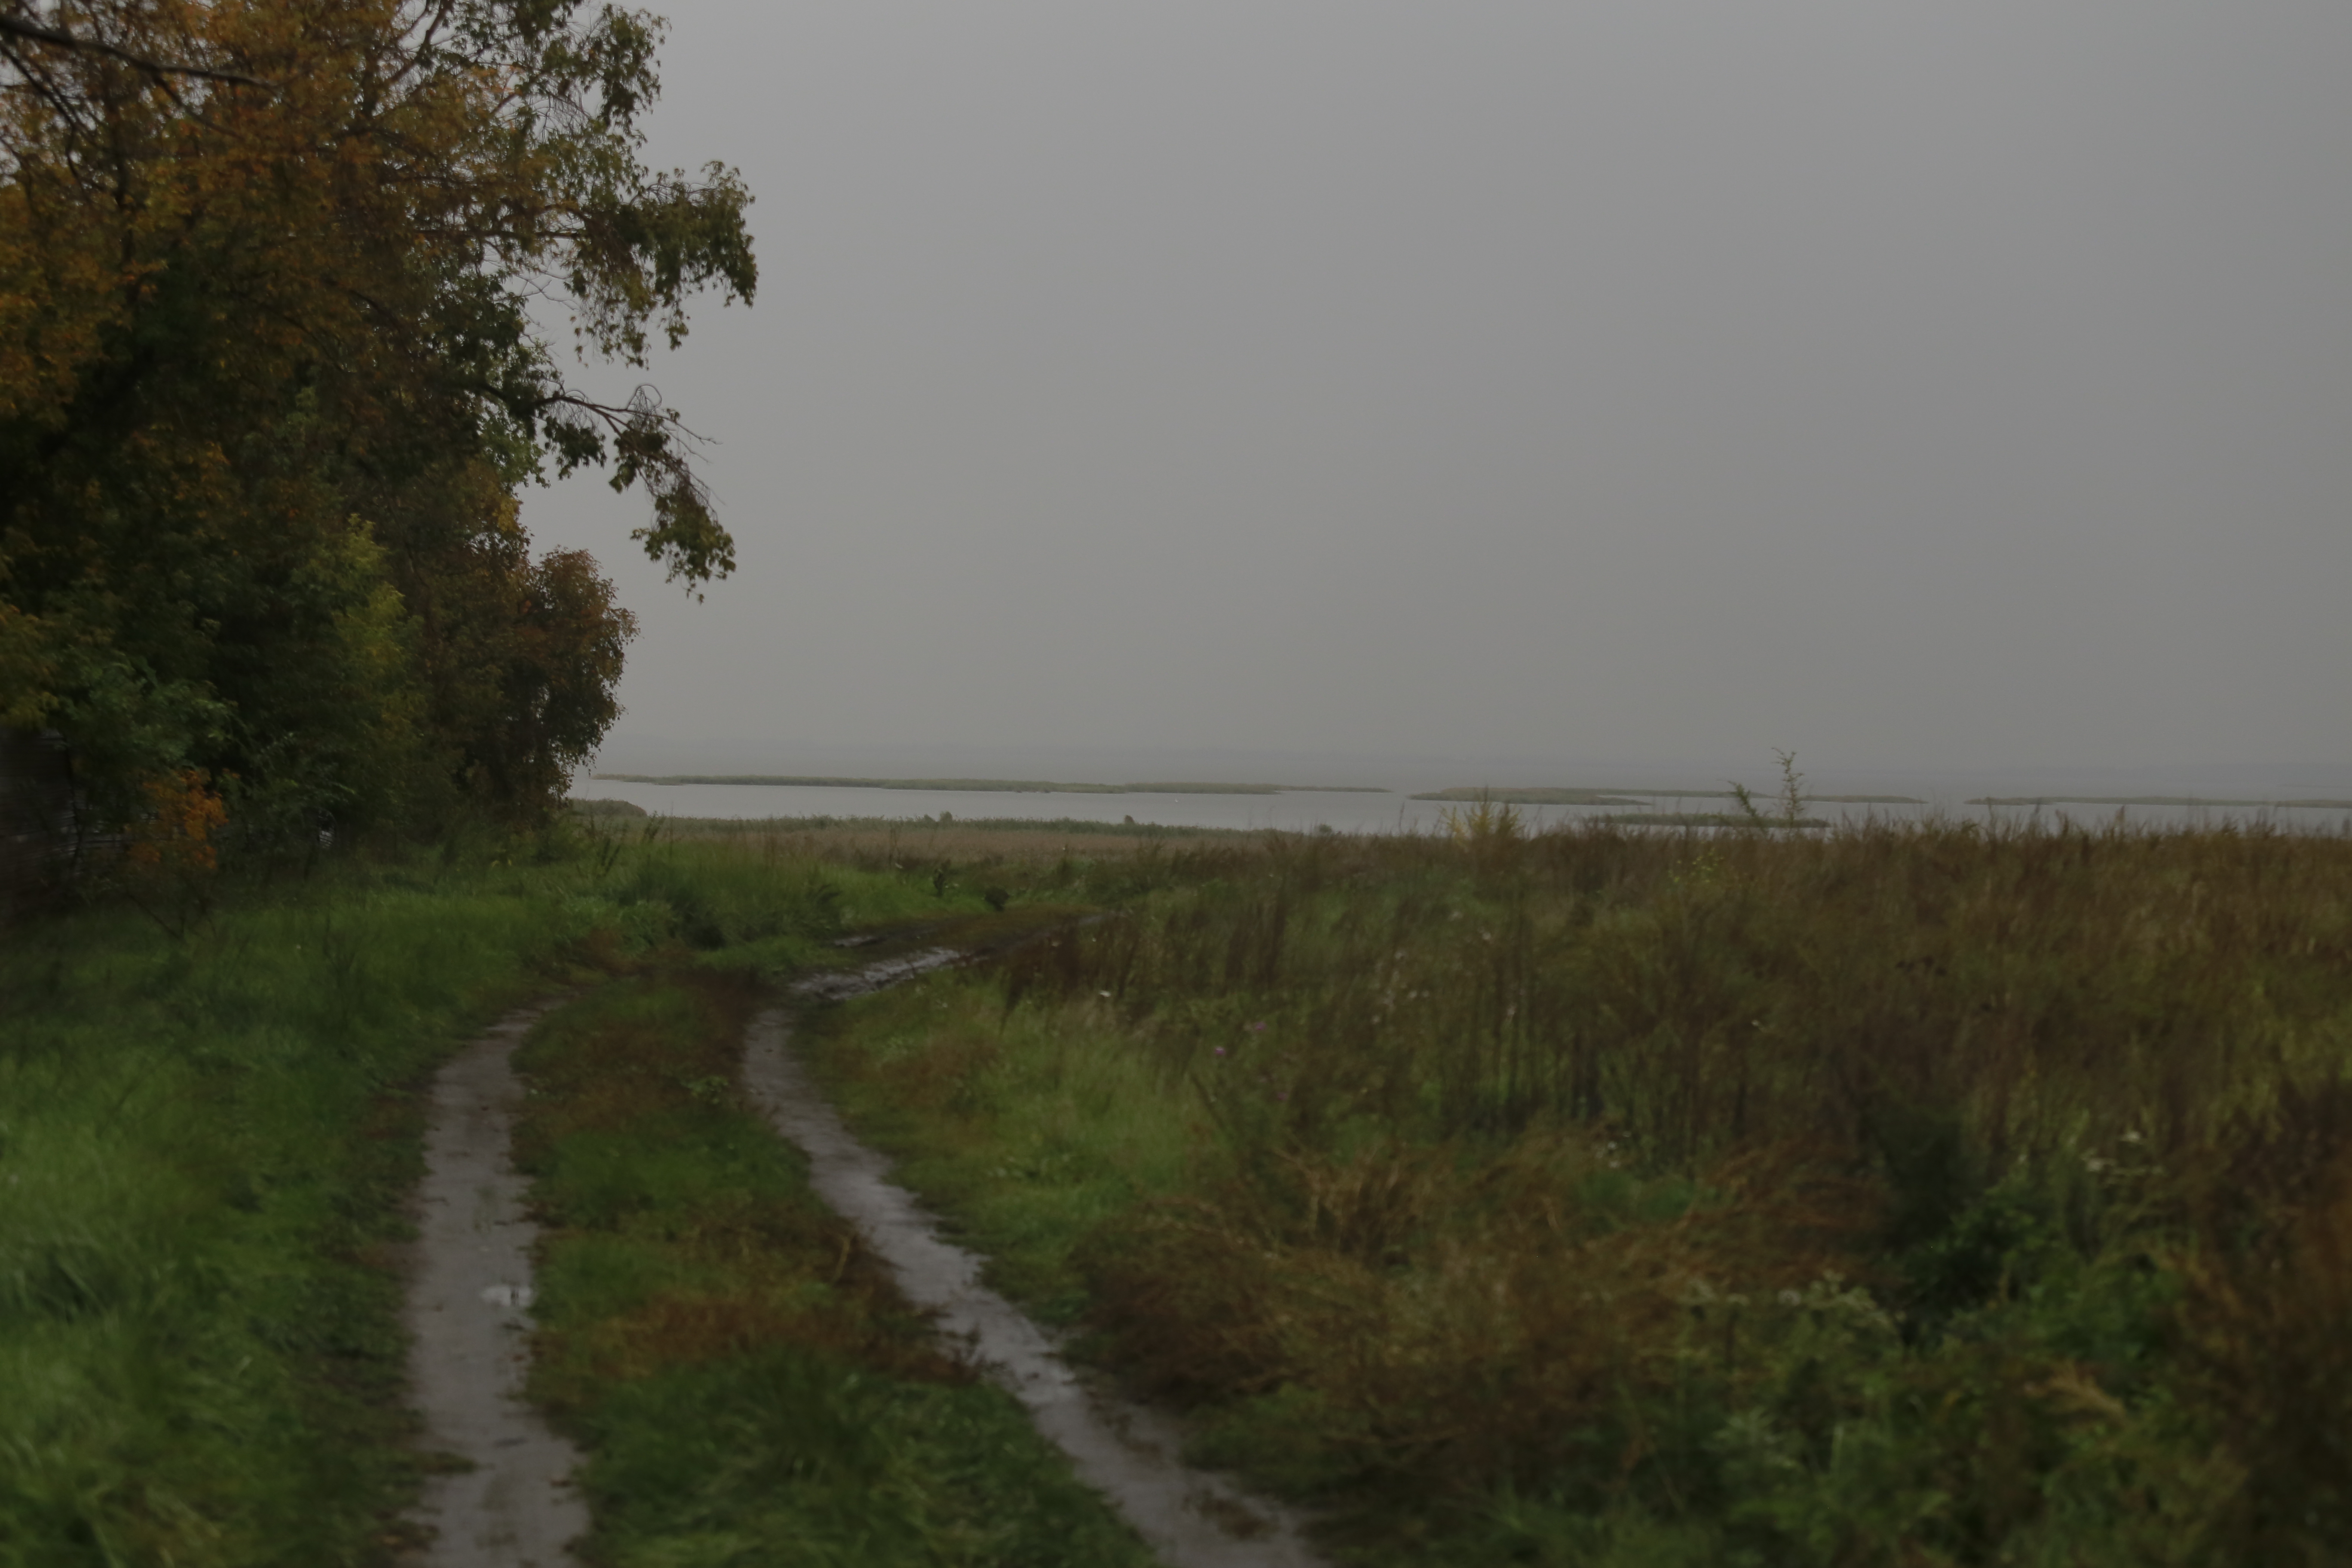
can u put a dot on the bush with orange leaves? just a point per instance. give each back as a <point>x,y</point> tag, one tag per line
<point>172,859</point>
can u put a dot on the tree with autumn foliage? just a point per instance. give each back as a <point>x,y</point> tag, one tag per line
<point>271,382</point>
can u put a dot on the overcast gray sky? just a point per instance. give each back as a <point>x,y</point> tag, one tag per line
<point>1919,385</point>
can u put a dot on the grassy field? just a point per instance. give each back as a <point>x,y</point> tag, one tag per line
<point>204,1142</point>
<point>210,1103</point>
<point>1894,1195</point>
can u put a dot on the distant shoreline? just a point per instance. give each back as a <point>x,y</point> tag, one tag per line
<point>924,830</point>
<point>2152,800</point>
<point>983,787</point>
<point>1634,796</point>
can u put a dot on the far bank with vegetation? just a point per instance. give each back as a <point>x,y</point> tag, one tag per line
<point>1014,786</point>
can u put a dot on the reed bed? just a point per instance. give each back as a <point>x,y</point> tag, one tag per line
<point>1901,1194</point>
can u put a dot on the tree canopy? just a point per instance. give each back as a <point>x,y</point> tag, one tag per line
<point>272,375</point>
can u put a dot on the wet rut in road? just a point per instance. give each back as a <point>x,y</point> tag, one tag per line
<point>512,1505</point>
<point>468,1316</point>
<point>1192,1519</point>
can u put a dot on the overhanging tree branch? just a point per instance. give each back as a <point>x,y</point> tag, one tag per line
<point>650,447</point>
<point>15,24</point>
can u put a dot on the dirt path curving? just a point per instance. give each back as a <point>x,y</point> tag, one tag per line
<point>468,1315</point>
<point>1130,1453</point>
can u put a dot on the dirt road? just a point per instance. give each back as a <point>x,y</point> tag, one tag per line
<point>469,1313</point>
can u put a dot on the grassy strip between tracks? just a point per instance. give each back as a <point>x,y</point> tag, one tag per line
<point>748,1385</point>
<point>1906,1197</point>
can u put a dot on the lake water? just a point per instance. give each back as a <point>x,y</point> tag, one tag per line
<point>1305,810</point>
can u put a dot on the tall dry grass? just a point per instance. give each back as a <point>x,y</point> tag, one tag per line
<point>1934,996</point>
<point>1907,1194</point>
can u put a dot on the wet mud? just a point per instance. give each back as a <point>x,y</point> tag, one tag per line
<point>1130,1453</point>
<point>838,985</point>
<point>510,1504</point>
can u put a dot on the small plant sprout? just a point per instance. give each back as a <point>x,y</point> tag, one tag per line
<point>1789,803</point>
<point>1793,799</point>
<point>1485,823</point>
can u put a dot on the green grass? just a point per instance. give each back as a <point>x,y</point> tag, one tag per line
<point>1045,1129</point>
<point>1902,1195</point>
<point>748,1385</point>
<point>203,1144</point>
<point>205,1141</point>
<point>762,894</point>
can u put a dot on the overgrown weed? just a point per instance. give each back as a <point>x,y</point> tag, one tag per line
<point>1904,1194</point>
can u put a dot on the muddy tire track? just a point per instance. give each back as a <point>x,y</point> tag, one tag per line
<point>468,1314</point>
<point>1191,1518</point>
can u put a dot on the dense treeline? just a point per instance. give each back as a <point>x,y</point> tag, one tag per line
<point>271,382</point>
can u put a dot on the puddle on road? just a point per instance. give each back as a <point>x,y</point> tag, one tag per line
<point>467,1314</point>
<point>840,984</point>
<point>1192,1519</point>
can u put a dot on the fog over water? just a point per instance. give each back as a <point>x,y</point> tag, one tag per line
<point>1517,393</point>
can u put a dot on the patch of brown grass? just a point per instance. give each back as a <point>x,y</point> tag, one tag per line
<point>1457,1318</point>
<point>628,1069</point>
<point>751,1265</point>
<point>941,1076</point>
<point>2265,1332</point>
<point>1563,1155</point>
<point>682,1328</point>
